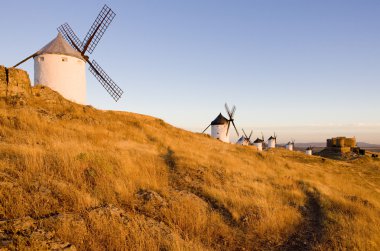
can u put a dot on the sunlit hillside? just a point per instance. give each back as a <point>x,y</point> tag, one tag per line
<point>73,177</point>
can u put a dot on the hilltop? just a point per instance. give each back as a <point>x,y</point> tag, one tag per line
<point>74,177</point>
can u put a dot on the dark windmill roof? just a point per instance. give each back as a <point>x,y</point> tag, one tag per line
<point>309,148</point>
<point>220,120</point>
<point>289,143</point>
<point>59,46</point>
<point>242,138</point>
<point>271,137</point>
<point>258,141</point>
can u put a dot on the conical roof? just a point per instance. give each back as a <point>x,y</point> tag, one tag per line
<point>220,120</point>
<point>241,139</point>
<point>258,141</point>
<point>59,46</point>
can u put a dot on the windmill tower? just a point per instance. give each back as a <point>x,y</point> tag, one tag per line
<point>60,64</point>
<point>272,141</point>
<point>290,145</point>
<point>309,150</point>
<point>244,140</point>
<point>259,143</point>
<point>220,125</point>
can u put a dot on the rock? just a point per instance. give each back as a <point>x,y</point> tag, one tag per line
<point>18,83</point>
<point>24,233</point>
<point>3,81</point>
<point>151,197</point>
<point>110,211</point>
<point>14,85</point>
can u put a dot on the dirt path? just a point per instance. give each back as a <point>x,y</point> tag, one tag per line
<point>177,183</point>
<point>310,232</point>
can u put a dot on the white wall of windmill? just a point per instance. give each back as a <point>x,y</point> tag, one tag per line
<point>245,142</point>
<point>62,73</point>
<point>242,141</point>
<point>220,132</point>
<point>271,143</point>
<point>309,152</point>
<point>289,147</point>
<point>259,146</point>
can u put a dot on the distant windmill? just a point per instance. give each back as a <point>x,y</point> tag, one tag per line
<point>309,150</point>
<point>62,67</point>
<point>245,140</point>
<point>259,142</point>
<point>220,125</point>
<point>272,141</point>
<point>290,145</point>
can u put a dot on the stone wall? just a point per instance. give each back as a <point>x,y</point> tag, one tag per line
<point>341,142</point>
<point>14,83</point>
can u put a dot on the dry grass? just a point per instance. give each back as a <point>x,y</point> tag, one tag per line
<point>200,194</point>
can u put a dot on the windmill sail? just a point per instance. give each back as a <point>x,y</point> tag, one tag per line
<point>98,29</point>
<point>231,116</point>
<point>105,80</point>
<point>70,36</point>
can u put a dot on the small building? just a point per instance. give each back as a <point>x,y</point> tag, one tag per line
<point>289,146</point>
<point>62,68</point>
<point>272,142</point>
<point>219,128</point>
<point>309,151</point>
<point>243,141</point>
<point>259,144</point>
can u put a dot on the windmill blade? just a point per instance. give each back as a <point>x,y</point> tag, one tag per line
<point>244,133</point>
<point>235,128</point>
<point>24,60</point>
<point>108,84</point>
<point>228,127</point>
<point>233,111</point>
<point>262,136</point>
<point>227,110</point>
<point>98,29</point>
<point>250,135</point>
<point>206,128</point>
<point>70,36</point>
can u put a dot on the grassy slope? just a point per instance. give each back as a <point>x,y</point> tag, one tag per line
<point>179,190</point>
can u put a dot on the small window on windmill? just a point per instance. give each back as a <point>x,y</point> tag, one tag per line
<point>64,59</point>
<point>40,59</point>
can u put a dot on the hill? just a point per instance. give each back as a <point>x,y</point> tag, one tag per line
<point>74,177</point>
<point>323,144</point>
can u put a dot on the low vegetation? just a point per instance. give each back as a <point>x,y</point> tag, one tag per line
<point>106,180</point>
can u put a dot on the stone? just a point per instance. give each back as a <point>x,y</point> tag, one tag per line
<point>3,81</point>
<point>18,83</point>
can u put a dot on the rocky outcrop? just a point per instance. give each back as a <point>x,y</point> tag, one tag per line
<point>3,81</point>
<point>25,233</point>
<point>15,85</point>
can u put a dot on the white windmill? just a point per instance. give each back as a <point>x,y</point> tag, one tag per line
<point>244,140</point>
<point>259,143</point>
<point>60,64</point>
<point>220,125</point>
<point>309,150</point>
<point>290,145</point>
<point>272,141</point>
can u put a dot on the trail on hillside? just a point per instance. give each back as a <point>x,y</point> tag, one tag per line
<point>310,231</point>
<point>178,185</point>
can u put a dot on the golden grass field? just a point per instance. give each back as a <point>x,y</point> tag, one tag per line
<point>107,180</point>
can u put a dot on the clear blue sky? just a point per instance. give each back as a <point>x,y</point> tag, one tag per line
<point>307,69</point>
